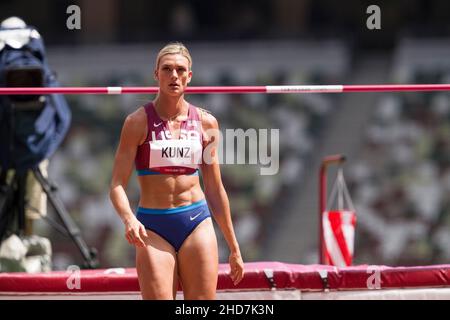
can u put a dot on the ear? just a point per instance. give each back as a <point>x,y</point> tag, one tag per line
<point>155,75</point>
<point>189,76</point>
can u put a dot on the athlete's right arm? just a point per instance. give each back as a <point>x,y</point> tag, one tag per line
<point>133,134</point>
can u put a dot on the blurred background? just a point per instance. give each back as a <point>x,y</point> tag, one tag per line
<point>397,144</point>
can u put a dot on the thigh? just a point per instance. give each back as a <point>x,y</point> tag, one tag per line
<point>156,266</point>
<point>198,263</point>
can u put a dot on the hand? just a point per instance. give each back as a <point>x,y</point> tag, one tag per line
<point>135,232</point>
<point>236,267</point>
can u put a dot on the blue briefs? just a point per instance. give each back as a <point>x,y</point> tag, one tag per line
<point>174,224</point>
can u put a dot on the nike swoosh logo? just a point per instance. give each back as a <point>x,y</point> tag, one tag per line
<point>194,217</point>
<point>157,125</point>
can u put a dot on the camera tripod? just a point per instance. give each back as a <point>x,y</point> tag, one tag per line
<point>12,205</point>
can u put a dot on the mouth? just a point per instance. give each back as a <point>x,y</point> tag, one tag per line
<point>174,86</point>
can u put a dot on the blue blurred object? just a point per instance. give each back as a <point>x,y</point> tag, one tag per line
<point>31,126</point>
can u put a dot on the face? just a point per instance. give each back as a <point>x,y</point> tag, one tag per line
<point>173,74</point>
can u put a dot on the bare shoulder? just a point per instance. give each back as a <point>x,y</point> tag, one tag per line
<point>136,120</point>
<point>138,117</point>
<point>208,120</point>
<point>135,124</point>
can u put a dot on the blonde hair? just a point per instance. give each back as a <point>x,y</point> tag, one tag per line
<point>174,48</point>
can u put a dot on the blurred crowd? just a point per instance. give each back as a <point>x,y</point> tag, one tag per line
<point>401,181</point>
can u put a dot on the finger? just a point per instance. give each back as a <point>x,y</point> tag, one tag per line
<point>128,237</point>
<point>239,274</point>
<point>135,233</point>
<point>132,235</point>
<point>142,231</point>
<point>138,240</point>
<point>237,278</point>
<point>233,276</point>
<point>236,274</point>
<point>240,277</point>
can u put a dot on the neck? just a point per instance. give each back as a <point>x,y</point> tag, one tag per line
<point>168,107</point>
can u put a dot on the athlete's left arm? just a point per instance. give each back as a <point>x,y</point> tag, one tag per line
<point>216,195</point>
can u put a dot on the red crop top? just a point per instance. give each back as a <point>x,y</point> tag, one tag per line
<point>160,154</point>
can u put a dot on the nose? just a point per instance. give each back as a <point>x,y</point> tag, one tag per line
<point>174,74</point>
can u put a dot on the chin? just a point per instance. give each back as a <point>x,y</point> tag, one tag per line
<point>174,93</point>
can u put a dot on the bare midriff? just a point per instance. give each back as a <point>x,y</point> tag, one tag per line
<point>169,191</point>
